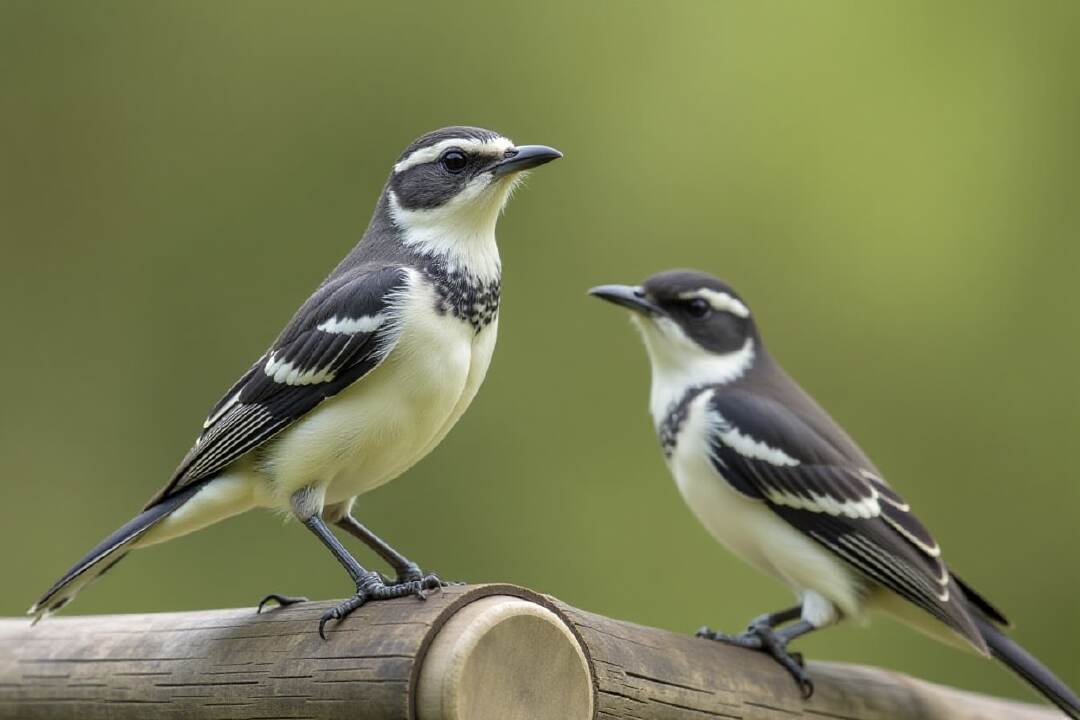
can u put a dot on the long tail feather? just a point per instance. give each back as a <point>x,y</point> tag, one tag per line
<point>1026,666</point>
<point>106,554</point>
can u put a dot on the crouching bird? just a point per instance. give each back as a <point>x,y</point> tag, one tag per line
<point>365,380</point>
<point>779,482</point>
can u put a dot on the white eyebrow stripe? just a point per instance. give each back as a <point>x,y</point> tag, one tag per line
<point>494,146</point>
<point>720,301</point>
<point>351,326</point>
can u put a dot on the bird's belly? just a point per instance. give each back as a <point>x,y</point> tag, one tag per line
<point>749,529</point>
<point>734,520</point>
<point>383,424</point>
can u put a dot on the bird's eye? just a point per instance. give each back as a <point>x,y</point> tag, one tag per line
<point>698,308</point>
<point>454,161</point>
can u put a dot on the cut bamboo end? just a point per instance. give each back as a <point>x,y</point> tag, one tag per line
<point>508,658</point>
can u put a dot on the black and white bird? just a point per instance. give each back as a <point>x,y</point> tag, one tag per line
<point>776,480</point>
<point>367,378</point>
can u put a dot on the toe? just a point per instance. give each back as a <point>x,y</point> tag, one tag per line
<point>432,583</point>
<point>342,610</point>
<point>281,600</point>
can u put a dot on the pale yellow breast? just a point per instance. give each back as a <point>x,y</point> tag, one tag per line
<point>390,419</point>
<point>748,528</point>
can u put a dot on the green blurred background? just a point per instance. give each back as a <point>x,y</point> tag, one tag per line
<point>892,185</point>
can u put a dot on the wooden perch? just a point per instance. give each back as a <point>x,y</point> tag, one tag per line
<point>487,652</point>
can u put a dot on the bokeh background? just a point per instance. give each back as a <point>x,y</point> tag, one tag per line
<point>892,185</point>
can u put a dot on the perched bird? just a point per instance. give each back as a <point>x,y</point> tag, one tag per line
<point>366,379</point>
<point>779,482</point>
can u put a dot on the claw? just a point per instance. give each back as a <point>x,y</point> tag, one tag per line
<point>281,600</point>
<point>326,617</point>
<point>343,609</point>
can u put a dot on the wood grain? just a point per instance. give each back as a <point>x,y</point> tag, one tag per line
<point>236,665</point>
<point>645,674</point>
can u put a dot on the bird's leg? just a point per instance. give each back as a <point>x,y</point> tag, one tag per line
<point>307,506</point>
<point>369,585</point>
<point>407,571</point>
<point>770,620</point>
<point>763,635</point>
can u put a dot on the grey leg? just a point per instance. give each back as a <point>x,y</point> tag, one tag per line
<point>369,585</point>
<point>406,570</point>
<point>768,619</point>
<point>778,618</point>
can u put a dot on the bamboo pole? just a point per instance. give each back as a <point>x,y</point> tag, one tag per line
<point>482,652</point>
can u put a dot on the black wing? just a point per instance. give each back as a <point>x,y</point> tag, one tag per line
<point>768,452</point>
<point>339,335</point>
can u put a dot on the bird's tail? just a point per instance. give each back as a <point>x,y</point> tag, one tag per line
<point>1026,666</point>
<point>108,552</point>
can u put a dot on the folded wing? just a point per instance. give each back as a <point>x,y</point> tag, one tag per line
<point>337,337</point>
<point>766,451</point>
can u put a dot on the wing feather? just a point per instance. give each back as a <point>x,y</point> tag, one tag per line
<point>339,335</point>
<point>808,481</point>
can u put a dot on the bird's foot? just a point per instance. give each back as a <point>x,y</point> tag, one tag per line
<point>372,587</point>
<point>762,637</point>
<point>412,573</point>
<point>281,600</point>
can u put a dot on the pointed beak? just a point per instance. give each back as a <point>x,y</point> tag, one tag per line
<point>524,157</point>
<point>628,296</point>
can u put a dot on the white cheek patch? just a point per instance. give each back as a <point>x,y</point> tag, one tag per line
<point>352,326</point>
<point>462,230</point>
<point>678,363</point>
<point>494,146</point>
<point>719,301</point>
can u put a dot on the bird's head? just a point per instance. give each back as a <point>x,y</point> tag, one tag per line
<point>696,328</point>
<point>448,186</point>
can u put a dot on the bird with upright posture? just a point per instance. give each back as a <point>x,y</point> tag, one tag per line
<point>776,480</point>
<point>366,379</point>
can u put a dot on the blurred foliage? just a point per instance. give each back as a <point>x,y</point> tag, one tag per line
<point>893,185</point>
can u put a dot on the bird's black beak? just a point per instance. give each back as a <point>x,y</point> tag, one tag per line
<point>628,296</point>
<point>524,157</point>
